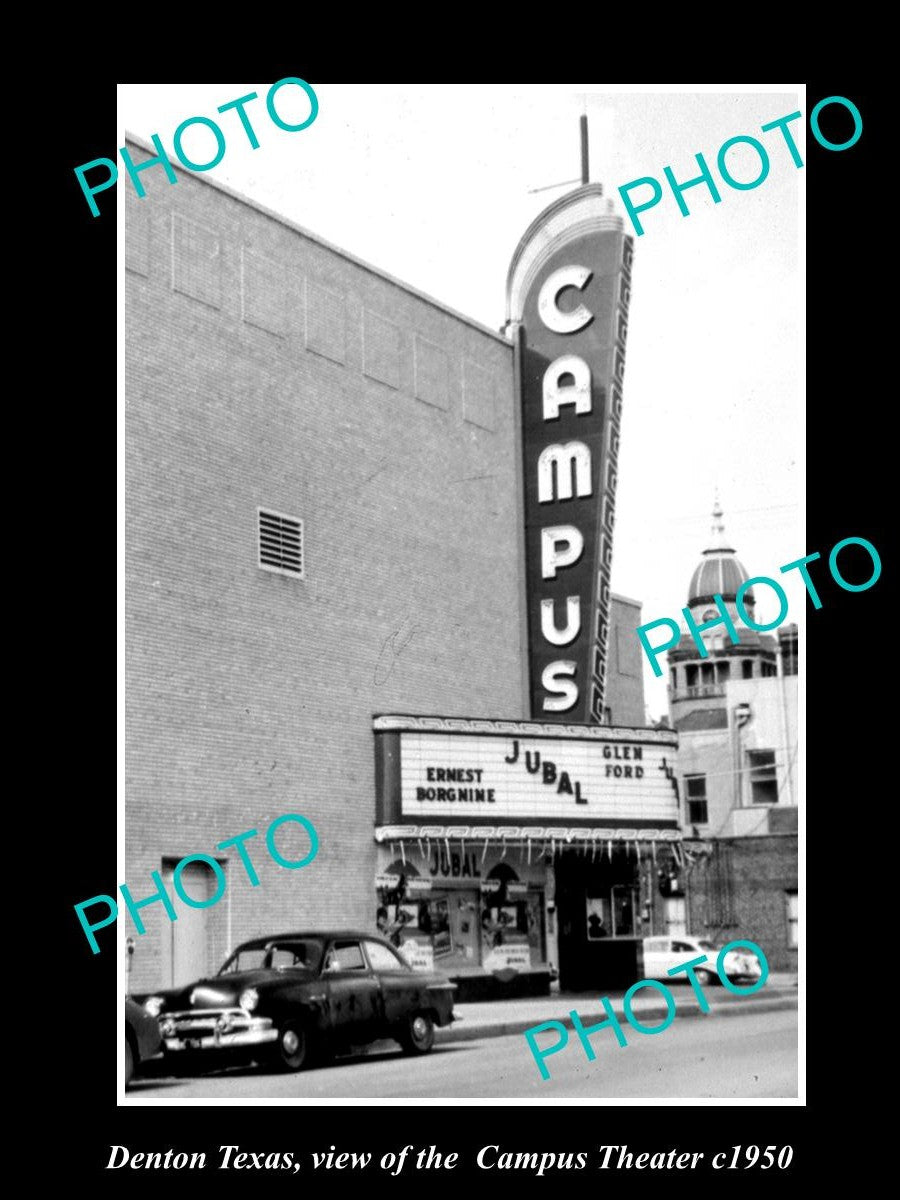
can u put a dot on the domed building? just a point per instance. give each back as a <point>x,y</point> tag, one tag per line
<point>697,684</point>
<point>736,715</point>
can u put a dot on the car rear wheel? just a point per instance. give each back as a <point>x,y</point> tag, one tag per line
<point>129,1062</point>
<point>706,978</point>
<point>292,1047</point>
<point>418,1035</point>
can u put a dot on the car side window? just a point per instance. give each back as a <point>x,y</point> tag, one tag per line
<point>679,947</point>
<point>383,958</point>
<point>284,957</point>
<point>345,956</point>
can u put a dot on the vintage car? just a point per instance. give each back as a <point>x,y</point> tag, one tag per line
<point>661,954</point>
<point>290,998</point>
<point>142,1037</point>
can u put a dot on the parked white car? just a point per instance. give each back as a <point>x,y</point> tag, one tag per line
<point>663,953</point>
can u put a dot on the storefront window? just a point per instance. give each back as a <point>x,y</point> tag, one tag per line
<point>467,915</point>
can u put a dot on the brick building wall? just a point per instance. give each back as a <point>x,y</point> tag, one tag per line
<point>624,671</point>
<point>265,368</point>
<point>740,889</point>
<point>708,752</point>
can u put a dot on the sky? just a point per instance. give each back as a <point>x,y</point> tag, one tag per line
<point>435,184</point>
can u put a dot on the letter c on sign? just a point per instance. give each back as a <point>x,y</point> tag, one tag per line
<point>484,1165</point>
<point>550,314</point>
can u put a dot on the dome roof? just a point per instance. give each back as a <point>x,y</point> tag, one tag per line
<point>719,572</point>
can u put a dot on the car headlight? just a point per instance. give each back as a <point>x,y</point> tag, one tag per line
<point>153,1005</point>
<point>249,999</point>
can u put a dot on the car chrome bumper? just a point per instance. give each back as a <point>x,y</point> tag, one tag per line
<point>214,1029</point>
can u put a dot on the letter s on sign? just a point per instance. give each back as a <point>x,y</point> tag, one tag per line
<point>556,678</point>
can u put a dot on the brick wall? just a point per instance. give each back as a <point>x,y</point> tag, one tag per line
<point>740,891</point>
<point>264,368</point>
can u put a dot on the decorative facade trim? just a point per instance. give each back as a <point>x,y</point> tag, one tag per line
<point>530,729</point>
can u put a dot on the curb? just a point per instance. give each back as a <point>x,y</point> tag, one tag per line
<point>473,1033</point>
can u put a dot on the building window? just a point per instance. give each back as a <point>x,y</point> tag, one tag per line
<point>280,543</point>
<point>674,675</point>
<point>792,918</point>
<point>695,791</point>
<point>747,668</point>
<point>723,671</point>
<point>763,780</point>
<point>675,916</point>
<point>690,675</point>
<point>789,655</point>
<point>706,672</point>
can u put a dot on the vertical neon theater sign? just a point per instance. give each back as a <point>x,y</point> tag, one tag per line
<point>568,292</point>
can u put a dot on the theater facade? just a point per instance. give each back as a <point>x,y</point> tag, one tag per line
<point>367,550</point>
<point>505,846</point>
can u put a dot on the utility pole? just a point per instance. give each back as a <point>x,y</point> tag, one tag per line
<point>585,169</point>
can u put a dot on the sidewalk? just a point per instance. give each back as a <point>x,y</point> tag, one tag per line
<point>499,1018</point>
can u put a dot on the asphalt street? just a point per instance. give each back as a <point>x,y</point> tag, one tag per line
<point>752,1055</point>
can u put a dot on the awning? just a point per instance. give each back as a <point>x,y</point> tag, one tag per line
<point>520,835</point>
<point>530,839</point>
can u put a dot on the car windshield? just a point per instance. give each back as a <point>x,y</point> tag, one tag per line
<point>245,960</point>
<point>296,953</point>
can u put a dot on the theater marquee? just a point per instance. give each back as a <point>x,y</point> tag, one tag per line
<point>568,293</point>
<point>494,771</point>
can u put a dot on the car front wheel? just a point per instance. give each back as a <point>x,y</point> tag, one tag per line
<point>418,1035</point>
<point>292,1047</point>
<point>706,978</point>
<point>129,1062</point>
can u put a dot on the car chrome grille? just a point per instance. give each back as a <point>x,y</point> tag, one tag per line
<point>205,1022</point>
